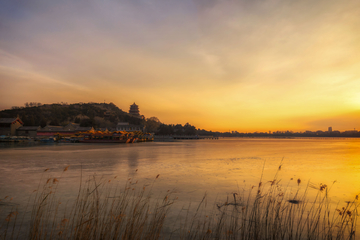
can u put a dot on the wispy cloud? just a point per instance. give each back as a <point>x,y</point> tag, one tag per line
<point>269,59</point>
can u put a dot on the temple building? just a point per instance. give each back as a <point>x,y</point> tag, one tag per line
<point>8,126</point>
<point>30,131</point>
<point>125,126</point>
<point>134,110</point>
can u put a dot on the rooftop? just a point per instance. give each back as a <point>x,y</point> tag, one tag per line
<point>9,120</point>
<point>28,128</point>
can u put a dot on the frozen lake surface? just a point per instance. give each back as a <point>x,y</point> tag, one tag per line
<point>188,168</point>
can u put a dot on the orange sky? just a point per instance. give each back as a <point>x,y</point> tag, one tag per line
<point>219,65</point>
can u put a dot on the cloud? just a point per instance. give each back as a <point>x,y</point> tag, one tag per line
<point>269,59</point>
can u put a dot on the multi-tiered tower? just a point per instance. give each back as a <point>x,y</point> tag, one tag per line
<point>134,110</point>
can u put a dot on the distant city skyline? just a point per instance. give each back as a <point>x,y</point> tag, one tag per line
<point>240,65</point>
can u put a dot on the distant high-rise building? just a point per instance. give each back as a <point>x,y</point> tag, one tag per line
<point>134,110</point>
<point>330,129</point>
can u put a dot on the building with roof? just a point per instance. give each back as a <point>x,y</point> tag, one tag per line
<point>125,126</point>
<point>8,126</point>
<point>84,129</point>
<point>50,130</point>
<point>134,110</point>
<point>70,129</point>
<point>29,131</point>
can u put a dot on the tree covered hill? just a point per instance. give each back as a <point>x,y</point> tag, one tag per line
<point>87,114</point>
<point>97,115</point>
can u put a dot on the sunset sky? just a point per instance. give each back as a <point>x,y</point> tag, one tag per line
<point>245,65</point>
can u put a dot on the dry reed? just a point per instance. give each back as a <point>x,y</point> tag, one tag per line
<point>104,211</point>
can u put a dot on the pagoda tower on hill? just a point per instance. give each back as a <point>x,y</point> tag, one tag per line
<point>134,110</point>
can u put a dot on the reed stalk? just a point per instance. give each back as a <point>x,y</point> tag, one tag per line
<point>104,210</point>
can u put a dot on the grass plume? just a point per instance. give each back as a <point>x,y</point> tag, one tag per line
<point>104,210</point>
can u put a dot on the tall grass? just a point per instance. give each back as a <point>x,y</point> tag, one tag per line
<point>104,211</point>
<point>267,211</point>
<point>99,211</point>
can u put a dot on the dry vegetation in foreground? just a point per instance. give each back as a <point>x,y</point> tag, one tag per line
<point>103,211</point>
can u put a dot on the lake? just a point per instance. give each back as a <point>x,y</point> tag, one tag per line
<point>188,168</point>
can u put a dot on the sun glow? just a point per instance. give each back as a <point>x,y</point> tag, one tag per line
<point>219,65</point>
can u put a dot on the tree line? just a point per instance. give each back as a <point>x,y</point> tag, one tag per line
<point>97,115</point>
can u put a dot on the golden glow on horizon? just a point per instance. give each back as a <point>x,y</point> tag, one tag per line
<point>245,66</point>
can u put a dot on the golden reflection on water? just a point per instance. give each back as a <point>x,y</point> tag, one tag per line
<point>229,165</point>
<point>191,168</point>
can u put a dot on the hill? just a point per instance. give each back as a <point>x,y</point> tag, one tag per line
<point>87,114</point>
<point>97,115</point>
